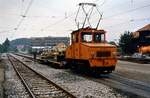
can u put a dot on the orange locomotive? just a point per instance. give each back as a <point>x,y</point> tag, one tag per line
<point>90,50</point>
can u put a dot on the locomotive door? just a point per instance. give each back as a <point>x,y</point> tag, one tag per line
<point>75,46</point>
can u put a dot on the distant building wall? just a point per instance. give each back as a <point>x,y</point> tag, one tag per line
<point>49,41</point>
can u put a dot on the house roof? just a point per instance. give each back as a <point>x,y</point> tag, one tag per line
<point>145,28</point>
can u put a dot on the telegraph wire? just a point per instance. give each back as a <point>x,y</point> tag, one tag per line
<point>22,6</point>
<point>18,25</point>
<point>128,11</point>
<point>131,20</point>
<point>101,4</point>
<point>118,24</point>
<point>53,24</point>
<point>125,12</point>
<point>24,15</point>
<point>26,11</point>
<point>3,31</point>
<point>68,17</point>
<point>57,22</point>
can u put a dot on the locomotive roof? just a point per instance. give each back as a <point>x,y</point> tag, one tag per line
<point>89,29</point>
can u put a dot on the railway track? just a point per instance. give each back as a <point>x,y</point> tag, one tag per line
<point>41,60</point>
<point>36,84</point>
<point>25,56</point>
<point>130,87</point>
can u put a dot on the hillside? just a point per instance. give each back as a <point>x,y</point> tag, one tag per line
<point>20,41</point>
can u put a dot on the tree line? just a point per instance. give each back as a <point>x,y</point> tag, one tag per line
<point>125,45</point>
<point>4,47</point>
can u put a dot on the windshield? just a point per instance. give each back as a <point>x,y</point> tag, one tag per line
<point>87,37</point>
<point>99,37</point>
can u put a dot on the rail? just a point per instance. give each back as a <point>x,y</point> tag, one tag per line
<point>38,59</point>
<point>37,84</point>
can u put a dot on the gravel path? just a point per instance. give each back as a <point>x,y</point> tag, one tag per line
<point>1,77</point>
<point>13,86</point>
<point>78,85</point>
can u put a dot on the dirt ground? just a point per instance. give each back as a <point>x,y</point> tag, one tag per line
<point>1,79</point>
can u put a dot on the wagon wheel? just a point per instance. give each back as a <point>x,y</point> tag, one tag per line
<point>62,64</point>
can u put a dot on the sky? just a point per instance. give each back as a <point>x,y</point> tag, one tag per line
<point>39,18</point>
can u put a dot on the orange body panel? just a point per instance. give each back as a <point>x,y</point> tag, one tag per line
<point>88,52</point>
<point>144,49</point>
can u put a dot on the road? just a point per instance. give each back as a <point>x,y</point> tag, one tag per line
<point>135,71</point>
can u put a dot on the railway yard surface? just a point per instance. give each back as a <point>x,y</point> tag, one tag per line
<point>1,78</point>
<point>128,80</point>
<point>135,71</point>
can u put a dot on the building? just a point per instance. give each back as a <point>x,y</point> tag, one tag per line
<point>49,41</point>
<point>141,37</point>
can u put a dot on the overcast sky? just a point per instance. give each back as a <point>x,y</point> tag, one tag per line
<point>56,17</point>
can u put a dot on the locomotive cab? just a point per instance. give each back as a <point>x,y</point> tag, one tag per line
<point>89,49</point>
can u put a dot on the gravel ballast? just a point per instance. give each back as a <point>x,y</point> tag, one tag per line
<point>1,77</point>
<point>76,84</point>
<point>13,87</point>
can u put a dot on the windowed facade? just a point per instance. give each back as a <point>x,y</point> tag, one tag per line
<point>49,41</point>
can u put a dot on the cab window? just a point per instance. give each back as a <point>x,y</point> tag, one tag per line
<point>86,37</point>
<point>99,37</point>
